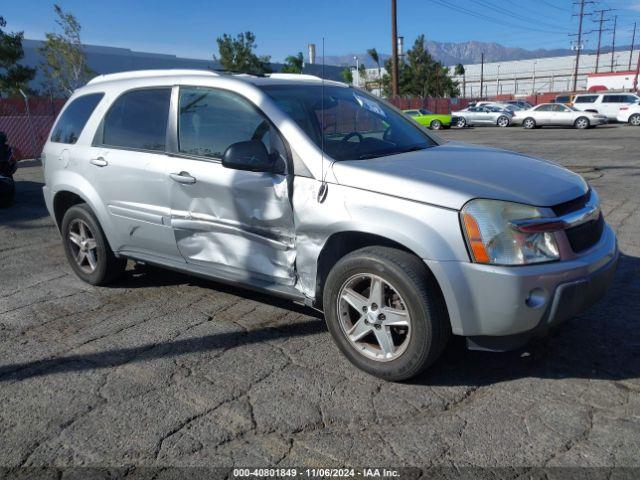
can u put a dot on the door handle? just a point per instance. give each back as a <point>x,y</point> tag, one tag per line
<point>99,162</point>
<point>183,177</point>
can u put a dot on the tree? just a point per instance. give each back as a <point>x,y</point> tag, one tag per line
<point>420,75</point>
<point>14,77</point>
<point>362,76</point>
<point>236,54</point>
<point>460,71</point>
<point>65,63</point>
<point>293,64</point>
<point>373,53</point>
<point>347,76</point>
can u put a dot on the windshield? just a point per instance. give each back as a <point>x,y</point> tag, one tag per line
<point>357,126</point>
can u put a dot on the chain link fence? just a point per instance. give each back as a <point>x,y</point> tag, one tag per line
<point>27,122</point>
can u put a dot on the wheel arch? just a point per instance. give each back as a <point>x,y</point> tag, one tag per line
<point>342,243</point>
<point>74,189</point>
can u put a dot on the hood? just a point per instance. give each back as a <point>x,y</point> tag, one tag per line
<point>451,174</point>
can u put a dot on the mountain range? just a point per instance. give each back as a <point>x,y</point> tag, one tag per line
<point>470,52</point>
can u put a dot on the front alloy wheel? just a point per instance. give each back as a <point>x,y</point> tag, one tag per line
<point>635,120</point>
<point>582,123</point>
<point>374,318</point>
<point>461,122</point>
<point>385,312</point>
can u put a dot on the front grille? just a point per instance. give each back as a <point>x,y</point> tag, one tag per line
<point>585,236</point>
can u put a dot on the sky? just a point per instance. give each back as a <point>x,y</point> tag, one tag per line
<point>189,28</point>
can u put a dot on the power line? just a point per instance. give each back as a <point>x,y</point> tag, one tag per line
<point>554,6</point>
<point>515,15</point>
<point>488,18</point>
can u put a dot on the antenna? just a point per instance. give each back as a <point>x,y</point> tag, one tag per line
<point>322,192</point>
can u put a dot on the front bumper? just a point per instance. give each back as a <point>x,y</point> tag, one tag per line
<point>495,301</point>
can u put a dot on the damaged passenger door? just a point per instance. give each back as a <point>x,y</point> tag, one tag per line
<point>234,222</point>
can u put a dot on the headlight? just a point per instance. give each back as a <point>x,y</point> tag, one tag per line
<point>491,239</point>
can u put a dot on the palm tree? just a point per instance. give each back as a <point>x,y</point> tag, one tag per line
<point>347,76</point>
<point>362,75</point>
<point>373,53</point>
<point>293,63</point>
<point>459,70</point>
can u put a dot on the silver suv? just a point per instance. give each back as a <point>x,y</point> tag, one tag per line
<point>324,194</point>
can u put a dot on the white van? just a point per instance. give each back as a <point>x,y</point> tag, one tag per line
<point>605,103</point>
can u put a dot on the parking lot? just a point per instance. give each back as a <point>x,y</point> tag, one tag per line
<point>166,370</point>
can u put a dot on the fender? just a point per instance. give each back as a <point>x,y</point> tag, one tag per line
<point>70,181</point>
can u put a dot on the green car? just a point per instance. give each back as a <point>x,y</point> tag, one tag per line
<point>429,119</point>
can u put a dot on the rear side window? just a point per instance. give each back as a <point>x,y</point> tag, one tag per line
<point>613,99</point>
<point>586,99</point>
<point>138,120</point>
<point>74,118</point>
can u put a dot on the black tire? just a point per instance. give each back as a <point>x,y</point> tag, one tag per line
<point>422,298</point>
<point>529,123</point>
<point>503,121</point>
<point>108,267</point>
<point>461,122</point>
<point>582,123</point>
<point>435,125</point>
<point>635,120</point>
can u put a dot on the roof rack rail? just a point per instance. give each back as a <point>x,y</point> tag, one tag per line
<point>294,76</point>
<point>134,74</point>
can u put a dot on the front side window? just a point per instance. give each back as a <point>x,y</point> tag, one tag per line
<point>210,120</point>
<point>424,111</point>
<point>347,123</point>
<point>138,120</point>
<point>74,118</point>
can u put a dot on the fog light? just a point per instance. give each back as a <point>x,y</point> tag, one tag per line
<point>536,298</point>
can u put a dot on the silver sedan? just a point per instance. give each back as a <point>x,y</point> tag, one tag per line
<point>483,115</point>
<point>557,114</point>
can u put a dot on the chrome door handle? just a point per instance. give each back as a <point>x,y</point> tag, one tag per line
<point>99,162</point>
<point>183,177</point>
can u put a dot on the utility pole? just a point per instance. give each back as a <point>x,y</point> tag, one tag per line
<point>613,45</point>
<point>394,49</point>
<point>579,43</point>
<point>633,40</point>
<point>600,30</point>
<point>481,73</point>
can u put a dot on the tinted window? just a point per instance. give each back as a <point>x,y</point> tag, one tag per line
<point>562,99</point>
<point>74,118</point>
<point>211,120</point>
<point>630,99</point>
<point>138,120</point>
<point>611,99</point>
<point>586,99</point>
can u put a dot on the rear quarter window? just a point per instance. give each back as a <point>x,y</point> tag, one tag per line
<point>73,119</point>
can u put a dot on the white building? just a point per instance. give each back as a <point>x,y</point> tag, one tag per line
<point>540,75</point>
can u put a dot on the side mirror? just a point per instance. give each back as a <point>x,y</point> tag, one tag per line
<point>251,155</point>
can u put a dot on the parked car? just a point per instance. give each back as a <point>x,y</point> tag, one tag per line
<point>484,115</point>
<point>8,166</point>
<point>324,194</point>
<point>557,114</point>
<point>630,114</point>
<point>566,99</point>
<point>605,103</point>
<point>435,121</point>
<point>524,105</point>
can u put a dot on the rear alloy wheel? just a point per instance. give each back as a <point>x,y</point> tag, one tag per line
<point>635,120</point>
<point>87,249</point>
<point>461,122</point>
<point>385,312</point>
<point>503,121</point>
<point>529,123</point>
<point>435,125</point>
<point>581,123</point>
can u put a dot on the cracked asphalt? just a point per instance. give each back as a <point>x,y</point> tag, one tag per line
<point>162,369</point>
